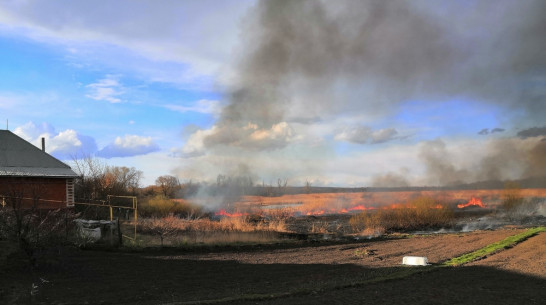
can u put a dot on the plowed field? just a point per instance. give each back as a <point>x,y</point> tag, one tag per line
<point>356,272</point>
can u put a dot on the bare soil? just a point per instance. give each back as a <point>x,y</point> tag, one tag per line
<point>302,272</point>
<point>526,258</point>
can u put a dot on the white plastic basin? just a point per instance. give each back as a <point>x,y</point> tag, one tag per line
<point>415,261</point>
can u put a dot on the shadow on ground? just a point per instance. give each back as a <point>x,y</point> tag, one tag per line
<point>71,276</point>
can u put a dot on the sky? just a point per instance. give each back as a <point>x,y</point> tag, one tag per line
<point>335,93</point>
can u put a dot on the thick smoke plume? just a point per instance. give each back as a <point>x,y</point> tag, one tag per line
<point>504,159</point>
<point>307,61</point>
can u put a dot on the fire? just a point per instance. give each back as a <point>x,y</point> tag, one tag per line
<point>334,204</point>
<point>472,202</point>
<point>223,212</point>
<point>318,211</point>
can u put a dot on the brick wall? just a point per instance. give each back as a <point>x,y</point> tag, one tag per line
<point>49,192</point>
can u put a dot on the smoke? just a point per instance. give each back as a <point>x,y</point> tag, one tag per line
<point>486,131</point>
<point>440,171</point>
<point>502,159</point>
<point>304,62</point>
<point>373,55</point>
<point>390,180</point>
<point>532,132</point>
<point>363,135</point>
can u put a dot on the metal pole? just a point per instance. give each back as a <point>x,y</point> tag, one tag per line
<point>135,206</point>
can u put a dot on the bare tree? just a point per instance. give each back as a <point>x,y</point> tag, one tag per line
<point>97,180</point>
<point>22,220</point>
<point>162,227</point>
<point>91,171</point>
<point>281,184</point>
<point>168,185</point>
<point>307,186</point>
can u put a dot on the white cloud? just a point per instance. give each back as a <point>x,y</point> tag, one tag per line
<point>249,137</point>
<point>129,145</point>
<point>106,89</point>
<point>201,106</point>
<point>62,145</point>
<point>184,32</point>
<point>9,102</point>
<point>194,145</point>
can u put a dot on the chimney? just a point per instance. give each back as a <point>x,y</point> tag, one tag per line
<point>43,144</point>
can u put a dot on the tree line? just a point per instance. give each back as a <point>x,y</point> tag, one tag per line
<point>97,180</point>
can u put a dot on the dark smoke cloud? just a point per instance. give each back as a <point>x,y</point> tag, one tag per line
<point>494,130</point>
<point>304,62</point>
<point>486,131</point>
<point>339,56</point>
<point>536,166</point>
<point>390,180</point>
<point>532,132</point>
<point>504,159</point>
<point>364,134</point>
<point>440,170</point>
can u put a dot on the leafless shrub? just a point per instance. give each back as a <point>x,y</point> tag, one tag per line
<point>97,180</point>
<point>419,214</point>
<point>171,226</point>
<point>161,206</point>
<point>162,227</point>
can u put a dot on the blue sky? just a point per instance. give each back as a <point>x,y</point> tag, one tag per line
<point>195,89</point>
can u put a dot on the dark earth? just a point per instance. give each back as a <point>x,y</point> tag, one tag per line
<point>364,271</point>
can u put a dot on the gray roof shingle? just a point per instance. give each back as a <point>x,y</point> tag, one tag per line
<point>20,158</point>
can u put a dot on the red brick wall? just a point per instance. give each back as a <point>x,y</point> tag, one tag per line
<point>51,192</point>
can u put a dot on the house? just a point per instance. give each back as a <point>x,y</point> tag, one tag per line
<point>32,176</point>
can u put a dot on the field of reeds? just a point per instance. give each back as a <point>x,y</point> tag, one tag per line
<point>256,219</point>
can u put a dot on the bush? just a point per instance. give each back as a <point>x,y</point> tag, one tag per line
<point>419,214</point>
<point>162,227</point>
<point>33,230</point>
<point>161,206</point>
<point>171,226</point>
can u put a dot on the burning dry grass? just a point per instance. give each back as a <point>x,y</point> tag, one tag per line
<point>161,206</point>
<point>420,213</point>
<point>324,203</point>
<point>225,230</point>
<point>330,213</point>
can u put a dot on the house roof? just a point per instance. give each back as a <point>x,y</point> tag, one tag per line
<point>20,158</point>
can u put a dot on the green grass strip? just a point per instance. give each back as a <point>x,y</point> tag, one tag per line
<point>404,272</point>
<point>494,247</point>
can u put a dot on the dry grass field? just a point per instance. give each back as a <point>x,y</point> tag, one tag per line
<point>342,202</point>
<point>284,250</point>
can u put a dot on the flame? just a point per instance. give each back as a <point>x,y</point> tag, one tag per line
<point>319,205</point>
<point>223,212</point>
<point>317,211</point>
<point>360,208</point>
<point>472,202</point>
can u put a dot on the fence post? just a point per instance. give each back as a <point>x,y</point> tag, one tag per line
<point>136,221</point>
<point>120,238</point>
